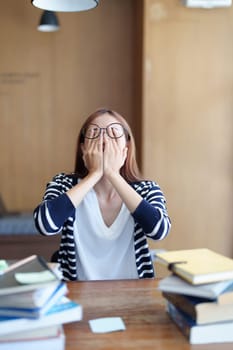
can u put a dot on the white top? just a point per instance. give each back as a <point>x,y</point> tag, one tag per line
<point>103,252</point>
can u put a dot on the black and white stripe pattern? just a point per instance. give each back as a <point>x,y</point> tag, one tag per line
<point>62,219</point>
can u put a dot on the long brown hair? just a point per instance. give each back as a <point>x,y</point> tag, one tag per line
<point>129,170</point>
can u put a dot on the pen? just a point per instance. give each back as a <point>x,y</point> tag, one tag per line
<point>17,264</point>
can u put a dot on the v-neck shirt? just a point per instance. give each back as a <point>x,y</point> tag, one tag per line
<point>103,252</point>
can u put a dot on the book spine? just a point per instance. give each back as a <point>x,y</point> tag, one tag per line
<point>183,303</point>
<point>178,318</point>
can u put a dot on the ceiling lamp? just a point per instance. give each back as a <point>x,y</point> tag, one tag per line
<point>48,22</point>
<point>65,5</point>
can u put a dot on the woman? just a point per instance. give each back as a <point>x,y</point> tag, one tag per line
<point>104,210</point>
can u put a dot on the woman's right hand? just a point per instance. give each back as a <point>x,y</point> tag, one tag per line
<point>93,160</point>
<point>93,155</point>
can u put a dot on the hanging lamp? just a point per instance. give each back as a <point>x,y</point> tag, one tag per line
<point>65,5</point>
<point>48,22</point>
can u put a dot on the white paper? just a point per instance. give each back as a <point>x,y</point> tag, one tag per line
<point>107,324</point>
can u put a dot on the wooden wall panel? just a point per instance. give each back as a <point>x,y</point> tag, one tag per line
<point>50,82</point>
<point>188,120</point>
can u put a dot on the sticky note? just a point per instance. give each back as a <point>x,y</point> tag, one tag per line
<point>3,266</point>
<point>107,324</point>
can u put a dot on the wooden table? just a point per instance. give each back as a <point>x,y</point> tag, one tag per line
<point>142,309</point>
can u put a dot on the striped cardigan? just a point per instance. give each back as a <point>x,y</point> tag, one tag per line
<point>56,214</point>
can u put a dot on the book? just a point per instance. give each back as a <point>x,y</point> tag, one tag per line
<point>201,310</point>
<point>222,291</point>
<point>29,299</point>
<point>198,266</point>
<point>221,332</point>
<point>52,338</point>
<point>27,274</point>
<point>15,310</point>
<point>33,298</point>
<point>65,311</point>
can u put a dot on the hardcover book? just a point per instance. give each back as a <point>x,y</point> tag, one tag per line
<point>29,299</point>
<point>29,311</point>
<point>52,338</point>
<point>221,332</point>
<point>201,310</point>
<point>65,311</point>
<point>198,266</point>
<point>27,274</point>
<point>220,291</point>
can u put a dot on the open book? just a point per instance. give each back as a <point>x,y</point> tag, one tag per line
<point>28,274</point>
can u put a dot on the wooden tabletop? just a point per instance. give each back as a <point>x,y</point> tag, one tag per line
<point>142,309</point>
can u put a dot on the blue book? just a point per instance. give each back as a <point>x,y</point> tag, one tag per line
<point>64,311</point>
<point>26,275</point>
<point>201,310</point>
<point>34,312</point>
<point>220,332</point>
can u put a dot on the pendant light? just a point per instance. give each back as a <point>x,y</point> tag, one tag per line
<point>65,5</point>
<point>48,22</point>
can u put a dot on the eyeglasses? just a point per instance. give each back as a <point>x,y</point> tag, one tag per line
<point>113,130</point>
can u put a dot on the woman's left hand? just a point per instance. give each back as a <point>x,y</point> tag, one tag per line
<point>115,152</point>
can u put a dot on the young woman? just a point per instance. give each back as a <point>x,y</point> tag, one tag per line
<point>104,210</point>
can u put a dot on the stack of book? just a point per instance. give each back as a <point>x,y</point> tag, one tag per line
<point>199,294</point>
<point>34,306</point>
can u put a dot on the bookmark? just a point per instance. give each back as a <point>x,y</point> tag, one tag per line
<point>173,264</point>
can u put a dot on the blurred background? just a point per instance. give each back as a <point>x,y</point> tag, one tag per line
<point>166,68</point>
